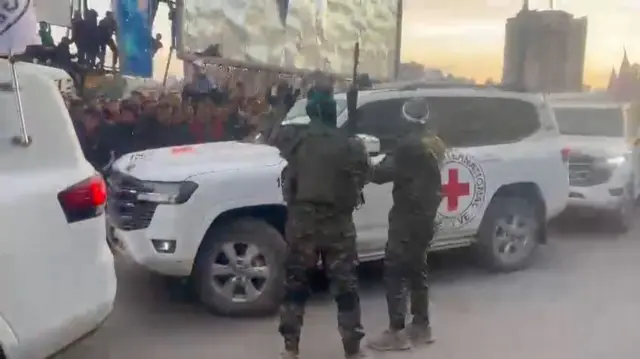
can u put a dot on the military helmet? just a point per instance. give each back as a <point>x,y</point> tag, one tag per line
<point>416,110</point>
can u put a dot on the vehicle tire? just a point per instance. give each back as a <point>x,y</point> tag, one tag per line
<point>622,219</point>
<point>509,234</point>
<point>238,271</point>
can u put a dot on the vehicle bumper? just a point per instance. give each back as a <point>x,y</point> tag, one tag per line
<point>89,324</point>
<point>605,197</point>
<point>72,330</point>
<point>138,247</point>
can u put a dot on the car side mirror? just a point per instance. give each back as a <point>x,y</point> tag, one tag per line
<point>371,143</point>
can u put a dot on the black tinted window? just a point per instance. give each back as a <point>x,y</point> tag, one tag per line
<point>459,121</point>
<point>606,122</point>
<point>381,119</point>
<point>475,121</point>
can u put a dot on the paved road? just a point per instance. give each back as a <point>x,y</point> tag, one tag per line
<point>578,301</point>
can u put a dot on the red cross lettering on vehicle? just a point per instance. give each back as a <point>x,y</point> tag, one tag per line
<point>453,190</point>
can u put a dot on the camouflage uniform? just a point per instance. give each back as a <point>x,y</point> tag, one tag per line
<point>414,169</point>
<point>322,183</point>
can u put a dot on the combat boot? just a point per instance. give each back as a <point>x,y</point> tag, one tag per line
<point>288,354</point>
<point>360,354</point>
<point>420,334</point>
<point>390,340</point>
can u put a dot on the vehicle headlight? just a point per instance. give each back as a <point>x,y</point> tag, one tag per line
<point>167,192</point>
<point>616,161</point>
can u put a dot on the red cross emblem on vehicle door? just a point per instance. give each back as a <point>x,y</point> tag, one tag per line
<point>454,189</point>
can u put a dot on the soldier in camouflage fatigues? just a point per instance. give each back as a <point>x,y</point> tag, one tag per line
<point>414,169</point>
<point>324,177</point>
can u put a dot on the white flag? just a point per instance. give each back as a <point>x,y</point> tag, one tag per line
<point>18,26</point>
<point>55,12</point>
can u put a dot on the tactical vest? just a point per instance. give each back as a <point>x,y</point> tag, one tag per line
<point>417,178</point>
<point>436,146</point>
<point>321,163</point>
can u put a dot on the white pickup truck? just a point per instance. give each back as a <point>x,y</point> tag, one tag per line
<point>215,213</point>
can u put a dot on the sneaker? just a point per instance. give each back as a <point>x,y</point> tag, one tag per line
<point>390,340</point>
<point>420,334</point>
<point>289,355</point>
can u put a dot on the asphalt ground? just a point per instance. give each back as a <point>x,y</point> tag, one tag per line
<point>579,300</point>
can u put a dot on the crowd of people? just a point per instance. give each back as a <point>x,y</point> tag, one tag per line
<point>108,128</point>
<point>90,35</point>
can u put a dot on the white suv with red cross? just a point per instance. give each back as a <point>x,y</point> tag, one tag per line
<point>215,213</point>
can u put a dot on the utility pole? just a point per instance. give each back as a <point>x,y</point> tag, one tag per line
<point>399,15</point>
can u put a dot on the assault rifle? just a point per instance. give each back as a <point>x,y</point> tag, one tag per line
<point>352,105</point>
<point>352,93</point>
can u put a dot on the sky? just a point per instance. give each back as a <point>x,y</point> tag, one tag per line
<point>466,37</point>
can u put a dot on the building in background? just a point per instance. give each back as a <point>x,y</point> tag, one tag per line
<point>410,71</point>
<point>413,71</point>
<point>625,84</point>
<point>545,51</point>
<point>415,74</point>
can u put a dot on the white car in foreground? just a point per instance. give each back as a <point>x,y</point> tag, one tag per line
<point>603,169</point>
<point>57,276</point>
<point>215,213</point>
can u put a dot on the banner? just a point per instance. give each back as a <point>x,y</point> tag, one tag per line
<point>292,35</point>
<point>53,12</point>
<point>18,27</point>
<point>135,40</point>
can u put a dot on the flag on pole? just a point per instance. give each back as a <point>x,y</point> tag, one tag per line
<point>283,10</point>
<point>53,12</point>
<point>134,37</point>
<point>18,27</point>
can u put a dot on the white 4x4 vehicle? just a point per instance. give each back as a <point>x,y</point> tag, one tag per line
<point>57,277</point>
<point>215,211</point>
<point>603,170</point>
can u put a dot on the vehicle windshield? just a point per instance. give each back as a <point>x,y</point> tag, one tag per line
<point>605,122</point>
<point>299,110</point>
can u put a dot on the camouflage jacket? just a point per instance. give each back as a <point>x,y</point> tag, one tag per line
<point>414,169</point>
<point>326,167</point>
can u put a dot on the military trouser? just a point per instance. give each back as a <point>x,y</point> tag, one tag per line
<point>405,269</point>
<point>312,232</point>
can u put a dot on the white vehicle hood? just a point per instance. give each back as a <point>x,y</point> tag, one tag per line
<point>597,146</point>
<point>179,163</point>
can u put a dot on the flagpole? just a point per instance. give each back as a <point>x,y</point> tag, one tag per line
<point>14,40</point>
<point>166,70</point>
<point>24,139</point>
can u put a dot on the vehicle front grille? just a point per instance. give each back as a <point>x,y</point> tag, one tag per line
<point>584,171</point>
<point>123,207</point>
